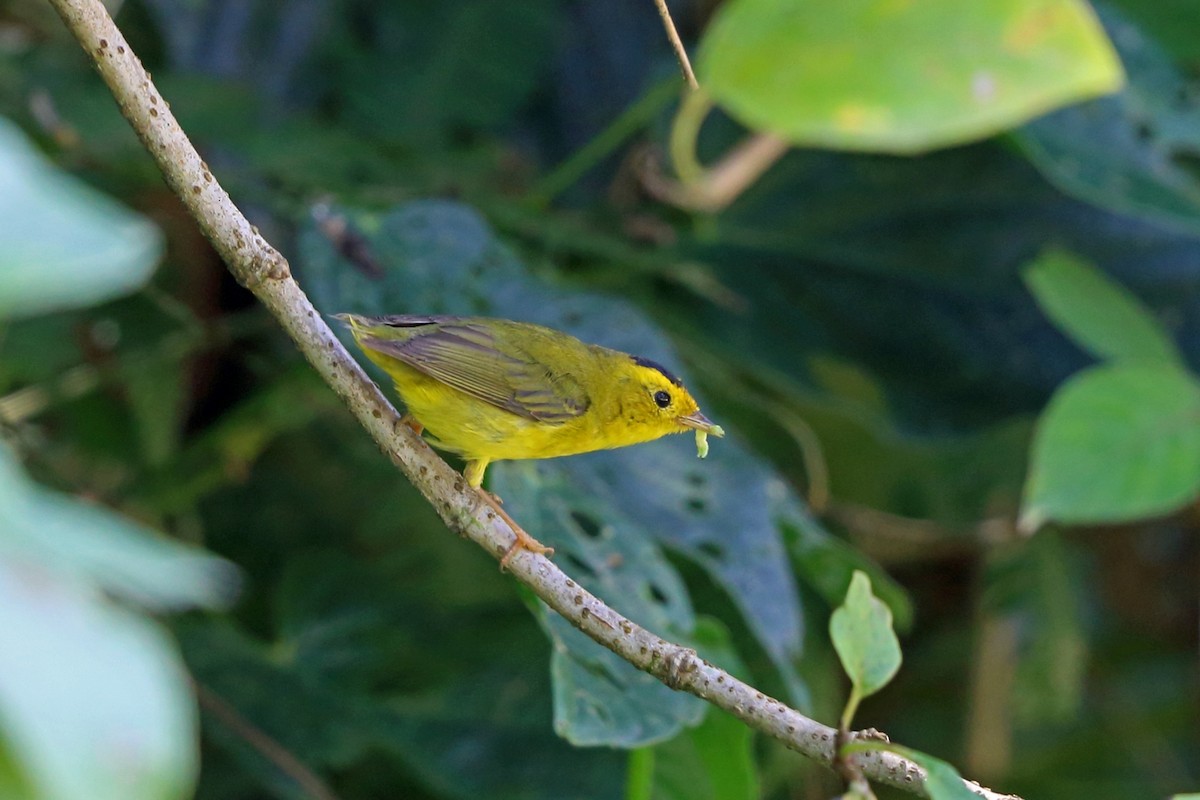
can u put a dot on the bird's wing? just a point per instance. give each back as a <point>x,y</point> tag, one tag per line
<point>467,357</point>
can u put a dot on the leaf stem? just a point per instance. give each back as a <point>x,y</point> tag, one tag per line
<point>639,781</point>
<point>685,132</point>
<point>633,119</point>
<point>851,707</point>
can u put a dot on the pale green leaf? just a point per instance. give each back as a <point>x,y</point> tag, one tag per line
<point>861,630</point>
<point>901,76</point>
<point>1098,314</point>
<point>942,781</point>
<point>65,244</point>
<point>1117,442</point>
<point>98,547</point>
<point>94,700</point>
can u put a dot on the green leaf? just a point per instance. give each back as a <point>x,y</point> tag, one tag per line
<point>1117,442</point>
<point>1132,153</point>
<point>942,781</point>
<point>1173,23</point>
<point>902,77</point>
<point>861,630</point>
<point>1188,796</point>
<point>94,701</point>
<point>599,698</point>
<point>65,245</point>
<point>1099,315</point>
<point>95,546</point>
<point>1053,667</point>
<point>715,760</point>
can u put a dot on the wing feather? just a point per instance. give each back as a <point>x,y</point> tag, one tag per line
<point>468,357</point>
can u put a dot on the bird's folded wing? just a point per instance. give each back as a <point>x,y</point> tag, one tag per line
<point>469,358</point>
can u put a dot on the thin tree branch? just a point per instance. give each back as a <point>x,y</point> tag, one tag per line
<point>680,53</point>
<point>268,748</point>
<point>265,272</point>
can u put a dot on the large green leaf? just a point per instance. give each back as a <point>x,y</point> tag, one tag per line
<point>1133,153</point>
<point>96,547</point>
<point>722,512</point>
<point>902,77</point>
<point>65,244</point>
<point>1173,23</point>
<point>1096,313</point>
<point>94,701</point>
<point>1117,443</point>
<point>599,698</point>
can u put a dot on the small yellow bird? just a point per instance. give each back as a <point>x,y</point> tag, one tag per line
<point>493,389</point>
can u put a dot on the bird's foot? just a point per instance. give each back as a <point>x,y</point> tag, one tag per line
<point>411,421</point>
<point>523,540</point>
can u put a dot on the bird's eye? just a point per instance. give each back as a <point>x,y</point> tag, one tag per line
<point>662,399</point>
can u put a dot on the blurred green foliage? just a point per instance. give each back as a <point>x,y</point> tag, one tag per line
<point>404,156</point>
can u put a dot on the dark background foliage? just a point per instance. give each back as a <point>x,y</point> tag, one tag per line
<point>876,300</point>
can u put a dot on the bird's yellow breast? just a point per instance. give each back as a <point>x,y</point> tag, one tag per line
<point>463,424</point>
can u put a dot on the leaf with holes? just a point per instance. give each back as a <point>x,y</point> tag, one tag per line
<point>440,257</point>
<point>599,698</point>
<point>1133,153</point>
<point>365,661</point>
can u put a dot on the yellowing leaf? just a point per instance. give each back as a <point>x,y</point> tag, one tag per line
<point>902,76</point>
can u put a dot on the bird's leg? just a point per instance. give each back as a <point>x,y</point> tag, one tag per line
<point>523,541</point>
<point>411,421</point>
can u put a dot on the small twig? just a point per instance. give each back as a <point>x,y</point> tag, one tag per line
<point>680,53</point>
<point>811,452</point>
<point>892,538</point>
<point>265,272</point>
<point>267,747</point>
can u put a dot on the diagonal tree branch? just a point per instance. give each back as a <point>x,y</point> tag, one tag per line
<point>264,271</point>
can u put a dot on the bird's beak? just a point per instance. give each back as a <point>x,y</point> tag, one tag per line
<point>701,423</point>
